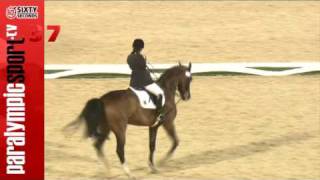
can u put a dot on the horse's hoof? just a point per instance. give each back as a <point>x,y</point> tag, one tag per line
<point>164,160</point>
<point>153,168</point>
<point>131,177</point>
<point>154,171</point>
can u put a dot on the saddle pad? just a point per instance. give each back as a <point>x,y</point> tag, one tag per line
<point>144,99</point>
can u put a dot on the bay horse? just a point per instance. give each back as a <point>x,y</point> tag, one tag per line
<point>116,109</point>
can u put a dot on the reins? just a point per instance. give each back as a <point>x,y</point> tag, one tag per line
<point>157,124</point>
<point>155,75</point>
<point>151,71</point>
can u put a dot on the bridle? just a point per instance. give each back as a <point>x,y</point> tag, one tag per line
<point>156,76</point>
<point>157,122</point>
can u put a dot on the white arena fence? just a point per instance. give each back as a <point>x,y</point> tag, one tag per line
<point>54,71</point>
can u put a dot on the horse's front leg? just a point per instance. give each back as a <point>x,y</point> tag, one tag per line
<point>152,146</point>
<point>171,131</point>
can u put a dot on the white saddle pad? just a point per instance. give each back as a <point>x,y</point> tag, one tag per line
<point>144,99</point>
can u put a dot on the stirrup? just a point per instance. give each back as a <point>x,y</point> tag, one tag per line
<point>159,120</point>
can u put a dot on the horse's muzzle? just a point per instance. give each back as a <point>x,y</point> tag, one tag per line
<point>186,96</point>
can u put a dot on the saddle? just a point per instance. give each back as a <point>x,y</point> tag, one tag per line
<point>146,99</point>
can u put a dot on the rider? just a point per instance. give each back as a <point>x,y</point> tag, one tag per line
<point>140,76</point>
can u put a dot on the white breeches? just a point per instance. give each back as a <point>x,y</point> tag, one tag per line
<point>155,90</point>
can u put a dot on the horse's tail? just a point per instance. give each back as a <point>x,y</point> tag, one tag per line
<point>94,116</point>
<point>95,119</point>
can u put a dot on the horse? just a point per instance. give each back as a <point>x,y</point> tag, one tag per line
<point>114,110</point>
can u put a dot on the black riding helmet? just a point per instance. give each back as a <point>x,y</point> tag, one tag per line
<point>138,44</point>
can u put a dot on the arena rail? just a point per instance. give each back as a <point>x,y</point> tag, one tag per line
<point>54,71</point>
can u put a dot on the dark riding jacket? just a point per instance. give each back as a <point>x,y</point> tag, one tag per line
<point>140,76</point>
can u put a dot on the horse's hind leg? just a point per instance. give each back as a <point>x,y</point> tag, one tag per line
<point>100,137</point>
<point>121,140</point>
<point>171,131</point>
<point>100,140</point>
<point>98,145</point>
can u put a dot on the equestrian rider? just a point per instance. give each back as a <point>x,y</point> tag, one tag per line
<point>140,76</point>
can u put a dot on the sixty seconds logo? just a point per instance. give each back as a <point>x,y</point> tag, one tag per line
<point>22,12</point>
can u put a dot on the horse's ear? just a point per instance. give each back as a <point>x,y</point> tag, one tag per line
<point>190,65</point>
<point>180,63</point>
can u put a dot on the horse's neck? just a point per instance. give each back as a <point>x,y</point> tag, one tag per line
<point>169,88</point>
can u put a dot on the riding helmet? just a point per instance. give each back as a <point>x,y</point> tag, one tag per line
<point>138,44</point>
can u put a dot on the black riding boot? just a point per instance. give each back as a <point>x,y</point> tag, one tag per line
<point>160,108</point>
